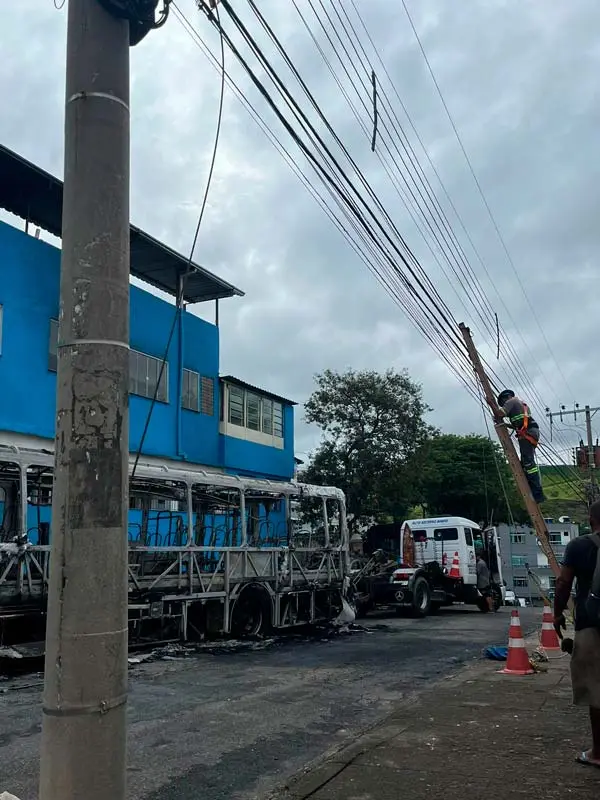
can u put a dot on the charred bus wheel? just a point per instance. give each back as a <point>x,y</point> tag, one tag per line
<point>251,612</point>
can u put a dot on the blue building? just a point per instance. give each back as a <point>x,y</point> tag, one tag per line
<point>219,423</point>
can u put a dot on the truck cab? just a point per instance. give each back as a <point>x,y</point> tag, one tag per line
<point>431,563</point>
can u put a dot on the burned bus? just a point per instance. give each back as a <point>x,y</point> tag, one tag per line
<point>209,553</point>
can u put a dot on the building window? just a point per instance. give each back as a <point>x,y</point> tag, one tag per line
<point>518,561</point>
<point>556,538</point>
<point>517,538</point>
<point>520,583</point>
<point>53,346</point>
<point>143,376</point>
<point>255,412</point>
<point>267,416</point>
<point>190,390</point>
<point>278,420</point>
<point>236,406</point>
<point>197,392</point>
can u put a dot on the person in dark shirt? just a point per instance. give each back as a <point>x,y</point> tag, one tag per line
<point>579,563</point>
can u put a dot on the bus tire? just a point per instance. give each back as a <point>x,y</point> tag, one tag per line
<point>251,613</point>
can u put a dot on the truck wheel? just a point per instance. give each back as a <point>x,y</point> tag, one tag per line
<point>482,605</point>
<point>421,598</point>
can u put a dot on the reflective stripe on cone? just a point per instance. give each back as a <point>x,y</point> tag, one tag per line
<point>549,638</point>
<point>518,661</point>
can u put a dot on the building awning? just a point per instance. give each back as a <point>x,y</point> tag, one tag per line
<point>243,385</point>
<point>36,196</point>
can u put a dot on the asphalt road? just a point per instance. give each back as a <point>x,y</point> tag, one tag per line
<point>234,722</point>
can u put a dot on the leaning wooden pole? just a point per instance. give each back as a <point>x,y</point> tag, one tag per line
<point>537,520</point>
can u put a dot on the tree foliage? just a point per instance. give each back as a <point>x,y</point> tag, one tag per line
<point>464,476</point>
<point>373,439</point>
<point>377,448</point>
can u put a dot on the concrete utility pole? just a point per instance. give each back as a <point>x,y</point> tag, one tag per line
<point>85,693</point>
<point>589,413</point>
<point>511,454</point>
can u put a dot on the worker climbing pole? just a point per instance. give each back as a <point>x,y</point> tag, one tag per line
<point>527,433</point>
<point>525,424</point>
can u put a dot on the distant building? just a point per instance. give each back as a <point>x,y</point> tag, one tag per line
<point>519,547</point>
<point>212,422</point>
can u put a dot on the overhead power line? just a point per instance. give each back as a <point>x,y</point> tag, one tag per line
<point>483,196</point>
<point>362,219</point>
<point>465,275</point>
<point>514,364</point>
<point>397,289</point>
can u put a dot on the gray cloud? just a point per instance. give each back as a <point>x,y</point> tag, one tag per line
<point>521,82</point>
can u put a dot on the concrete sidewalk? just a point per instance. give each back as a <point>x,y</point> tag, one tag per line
<point>476,735</point>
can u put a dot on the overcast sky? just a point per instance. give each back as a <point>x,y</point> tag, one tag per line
<point>521,82</point>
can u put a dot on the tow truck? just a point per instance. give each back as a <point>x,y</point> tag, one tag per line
<point>425,564</point>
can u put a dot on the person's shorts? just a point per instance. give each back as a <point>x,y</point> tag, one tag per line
<point>585,668</point>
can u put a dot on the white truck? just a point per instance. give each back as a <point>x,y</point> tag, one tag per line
<point>427,564</point>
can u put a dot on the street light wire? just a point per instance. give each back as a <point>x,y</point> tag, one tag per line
<point>179,303</point>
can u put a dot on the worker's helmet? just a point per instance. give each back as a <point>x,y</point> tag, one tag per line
<point>505,395</point>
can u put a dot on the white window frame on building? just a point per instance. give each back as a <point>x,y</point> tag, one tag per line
<point>197,392</point>
<point>252,415</point>
<point>518,538</point>
<point>518,561</point>
<point>149,368</point>
<point>520,583</point>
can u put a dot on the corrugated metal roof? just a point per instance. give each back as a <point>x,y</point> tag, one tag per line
<point>257,389</point>
<point>34,195</point>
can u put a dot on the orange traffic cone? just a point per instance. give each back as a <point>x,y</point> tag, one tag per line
<point>549,637</point>
<point>518,660</point>
<point>455,568</point>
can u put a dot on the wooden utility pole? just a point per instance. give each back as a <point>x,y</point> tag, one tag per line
<point>85,692</point>
<point>511,454</point>
<point>591,462</point>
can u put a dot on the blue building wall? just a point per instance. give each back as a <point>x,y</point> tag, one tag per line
<point>29,295</point>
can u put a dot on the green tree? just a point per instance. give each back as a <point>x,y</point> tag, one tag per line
<point>464,476</point>
<point>373,437</point>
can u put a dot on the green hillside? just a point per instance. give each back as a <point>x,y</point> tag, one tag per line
<point>563,488</point>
